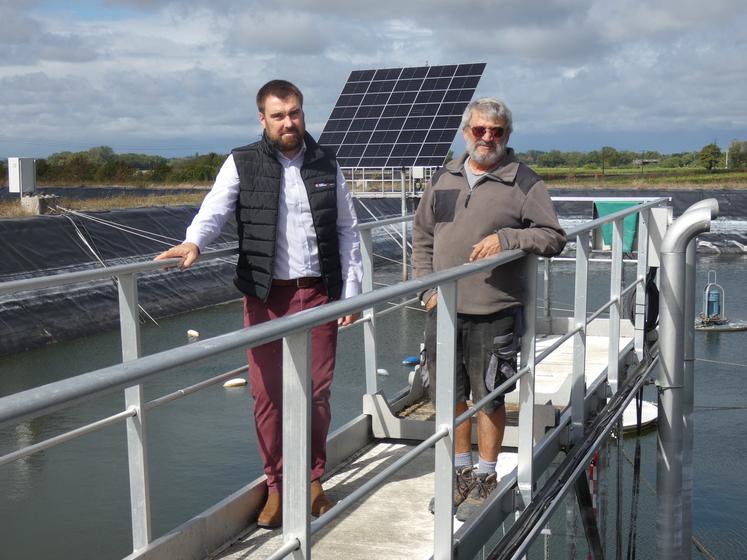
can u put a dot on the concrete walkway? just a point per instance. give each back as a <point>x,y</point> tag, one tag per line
<point>398,511</point>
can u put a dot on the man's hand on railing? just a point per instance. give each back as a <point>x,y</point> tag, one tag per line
<point>189,252</point>
<point>488,247</point>
<point>348,319</point>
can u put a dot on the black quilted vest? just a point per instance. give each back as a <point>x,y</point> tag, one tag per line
<point>260,175</point>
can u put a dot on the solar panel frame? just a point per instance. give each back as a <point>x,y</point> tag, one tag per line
<point>400,117</point>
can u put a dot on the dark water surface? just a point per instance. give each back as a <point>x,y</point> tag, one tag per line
<point>72,501</point>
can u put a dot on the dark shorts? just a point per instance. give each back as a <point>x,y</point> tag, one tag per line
<point>486,348</point>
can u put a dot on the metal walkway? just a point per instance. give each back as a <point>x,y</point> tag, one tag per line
<point>564,384</point>
<point>398,510</point>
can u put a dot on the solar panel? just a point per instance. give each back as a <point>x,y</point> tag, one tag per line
<point>400,117</point>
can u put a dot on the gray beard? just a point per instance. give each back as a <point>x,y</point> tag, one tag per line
<point>489,159</point>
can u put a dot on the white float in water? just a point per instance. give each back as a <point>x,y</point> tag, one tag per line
<point>382,371</point>
<point>235,382</point>
<point>193,335</point>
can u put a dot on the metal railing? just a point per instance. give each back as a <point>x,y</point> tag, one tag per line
<point>294,330</point>
<point>387,181</point>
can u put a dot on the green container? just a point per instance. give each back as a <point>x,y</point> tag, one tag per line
<point>630,223</point>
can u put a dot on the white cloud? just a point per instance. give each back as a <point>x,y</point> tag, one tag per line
<point>184,73</point>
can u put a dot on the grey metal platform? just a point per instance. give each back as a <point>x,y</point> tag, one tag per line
<point>394,521</point>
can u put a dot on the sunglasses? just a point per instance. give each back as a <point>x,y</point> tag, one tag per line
<point>479,131</point>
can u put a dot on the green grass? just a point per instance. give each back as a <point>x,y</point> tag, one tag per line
<point>12,209</point>
<point>623,178</point>
<point>634,177</point>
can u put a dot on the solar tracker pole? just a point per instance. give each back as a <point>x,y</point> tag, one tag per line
<point>404,225</point>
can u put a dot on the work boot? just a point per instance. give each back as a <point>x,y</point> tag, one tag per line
<point>465,480</point>
<point>319,502</point>
<point>484,484</point>
<point>271,516</point>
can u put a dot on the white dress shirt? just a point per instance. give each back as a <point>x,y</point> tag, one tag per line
<point>296,250</point>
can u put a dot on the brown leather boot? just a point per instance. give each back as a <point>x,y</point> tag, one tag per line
<point>319,502</point>
<point>271,516</point>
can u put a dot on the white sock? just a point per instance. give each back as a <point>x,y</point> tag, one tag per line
<point>462,460</point>
<point>485,467</point>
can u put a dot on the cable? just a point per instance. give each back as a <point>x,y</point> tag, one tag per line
<point>89,245</point>
<point>166,240</point>
<point>720,363</point>
<point>636,485</point>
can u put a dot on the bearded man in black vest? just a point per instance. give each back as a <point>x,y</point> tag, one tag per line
<point>298,248</point>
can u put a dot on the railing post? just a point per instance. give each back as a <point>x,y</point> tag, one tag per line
<point>578,384</point>
<point>137,449</point>
<point>446,324</point>
<point>613,357</point>
<point>297,441</point>
<point>613,374</point>
<point>640,293</point>
<point>525,470</point>
<point>546,291</point>
<point>369,324</point>
<point>404,226</point>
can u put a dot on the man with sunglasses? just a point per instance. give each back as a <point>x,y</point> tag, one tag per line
<point>476,206</point>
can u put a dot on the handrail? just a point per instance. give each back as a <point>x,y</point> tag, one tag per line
<point>57,395</point>
<point>28,404</point>
<point>99,273</point>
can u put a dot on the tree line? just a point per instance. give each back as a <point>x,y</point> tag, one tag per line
<point>101,165</point>
<point>709,157</point>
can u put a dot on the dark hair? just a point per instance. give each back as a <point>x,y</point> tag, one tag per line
<point>278,88</point>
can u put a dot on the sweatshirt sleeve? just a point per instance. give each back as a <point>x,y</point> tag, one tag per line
<point>541,233</point>
<point>422,240</point>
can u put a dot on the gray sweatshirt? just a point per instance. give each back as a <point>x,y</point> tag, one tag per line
<point>451,218</point>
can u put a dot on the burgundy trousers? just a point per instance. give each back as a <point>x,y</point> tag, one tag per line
<point>266,378</point>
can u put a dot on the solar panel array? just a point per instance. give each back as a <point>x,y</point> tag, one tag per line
<point>400,117</point>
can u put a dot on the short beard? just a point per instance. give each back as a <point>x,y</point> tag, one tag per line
<point>287,145</point>
<point>489,159</point>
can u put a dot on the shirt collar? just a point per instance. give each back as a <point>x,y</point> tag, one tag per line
<point>282,157</point>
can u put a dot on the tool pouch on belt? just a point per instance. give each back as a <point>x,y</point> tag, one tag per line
<point>502,363</point>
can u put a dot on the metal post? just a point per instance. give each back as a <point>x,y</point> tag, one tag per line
<point>689,376</point>
<point>525,469</point>
<point>640,293</point>
<point>588,518</point>
<point>671,515</point>
<point>297,442</point>
<point>578,386</point>
<point>613,354</point>
<point>546,291</point>
<point>688,393</point>
<point>369,325</point>
<point>137,449</point>
<point>602,481</point>
<point>404,226</point>
<point>446,323</point>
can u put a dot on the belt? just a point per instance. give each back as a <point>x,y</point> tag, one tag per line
<point>305,282</point>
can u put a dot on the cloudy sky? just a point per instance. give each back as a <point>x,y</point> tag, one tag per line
<point>178,77</point>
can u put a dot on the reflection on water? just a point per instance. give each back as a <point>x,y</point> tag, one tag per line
<point>73,502</point>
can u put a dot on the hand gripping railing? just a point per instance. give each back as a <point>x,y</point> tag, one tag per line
<point>294,331</point>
